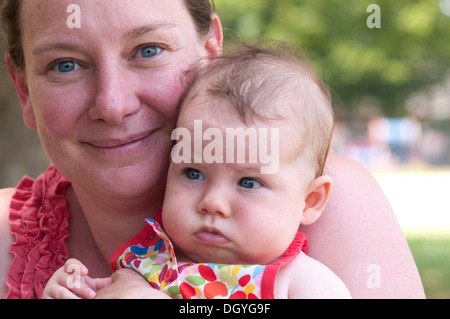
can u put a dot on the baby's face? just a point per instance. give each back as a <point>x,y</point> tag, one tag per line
<point>225,210</point>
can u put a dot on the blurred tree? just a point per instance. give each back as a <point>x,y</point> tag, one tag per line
<point>386,65</point>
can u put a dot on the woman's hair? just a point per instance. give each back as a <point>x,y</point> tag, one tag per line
<point>200,11</point>
<point>11,24</point>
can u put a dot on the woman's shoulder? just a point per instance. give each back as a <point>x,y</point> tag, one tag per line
<point>6,195</point>
<point>342,164</point>
<point>350,178</point>
<point>359,224</point>
<point>6,239</point>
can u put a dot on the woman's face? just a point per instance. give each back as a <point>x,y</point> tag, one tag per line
<point>104,96</point>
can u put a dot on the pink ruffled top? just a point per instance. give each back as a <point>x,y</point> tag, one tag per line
<point>39,221</point>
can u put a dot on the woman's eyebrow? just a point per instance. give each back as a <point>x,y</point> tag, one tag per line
<point>138,31</point>
<point>53,46</point>
<point>133,33</point>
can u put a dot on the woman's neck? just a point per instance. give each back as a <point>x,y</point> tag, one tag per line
<point>98,226</point>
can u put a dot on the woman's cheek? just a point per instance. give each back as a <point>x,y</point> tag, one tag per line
<point>165,93</point>
<point>59,112</point>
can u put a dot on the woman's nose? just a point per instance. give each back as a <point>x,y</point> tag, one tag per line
<point>214,202</point>
<point>115,99</point>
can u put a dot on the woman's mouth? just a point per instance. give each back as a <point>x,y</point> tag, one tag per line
<point>122,146</point>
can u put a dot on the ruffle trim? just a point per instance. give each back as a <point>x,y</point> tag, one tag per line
<point>39,221</point>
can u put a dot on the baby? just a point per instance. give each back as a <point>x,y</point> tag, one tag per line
<point>253,135</point>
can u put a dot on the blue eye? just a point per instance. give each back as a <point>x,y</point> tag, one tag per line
<point>67,66</point>
<point>194,174</point>
<point>249,183</point>
<point>149,51</point>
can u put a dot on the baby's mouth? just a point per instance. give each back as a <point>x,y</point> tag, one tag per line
<point>211,236</point>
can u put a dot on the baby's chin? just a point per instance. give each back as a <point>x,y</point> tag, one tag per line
<point>229,259</point>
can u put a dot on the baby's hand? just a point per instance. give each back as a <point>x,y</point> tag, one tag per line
<point>72,282</point>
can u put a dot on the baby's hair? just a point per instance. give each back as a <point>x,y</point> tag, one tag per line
<point>256,79</point>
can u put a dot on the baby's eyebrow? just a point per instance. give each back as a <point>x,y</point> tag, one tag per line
<point>250,168</point>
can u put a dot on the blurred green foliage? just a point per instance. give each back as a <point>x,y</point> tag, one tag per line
<point>386,65</point>
<point>432,258</point>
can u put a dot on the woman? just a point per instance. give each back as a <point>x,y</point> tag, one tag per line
<point>103,98</point>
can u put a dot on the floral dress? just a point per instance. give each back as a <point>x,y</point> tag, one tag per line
<point>151,253</point>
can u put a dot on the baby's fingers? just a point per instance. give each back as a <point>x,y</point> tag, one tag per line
<point>60,292</point>
<point>74,280</point>
<point>98,283</point>
<point>76,284</point>
<point>74,266</point>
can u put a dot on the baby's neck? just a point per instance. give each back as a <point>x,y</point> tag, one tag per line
<point>183,258</point>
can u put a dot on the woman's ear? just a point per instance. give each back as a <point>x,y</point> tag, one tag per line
<point>19,81</point>
<point>317,198</point>
<point>214,42</point>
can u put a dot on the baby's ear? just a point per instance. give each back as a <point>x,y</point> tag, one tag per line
<point>316,199</point>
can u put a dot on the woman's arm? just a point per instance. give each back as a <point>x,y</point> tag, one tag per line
<point>6,239</point>
<point>359,239</point>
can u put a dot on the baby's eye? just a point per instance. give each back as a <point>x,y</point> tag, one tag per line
<point>249,183</point>
<point>149,51</point>
<point>194,174</point>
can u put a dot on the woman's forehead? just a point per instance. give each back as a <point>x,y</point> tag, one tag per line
<point>46,18</point>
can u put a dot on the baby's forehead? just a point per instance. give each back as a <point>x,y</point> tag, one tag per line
<point>275,112</point>
<point>217,123</point>
<point>221,114</point>
<point>268,103</point>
